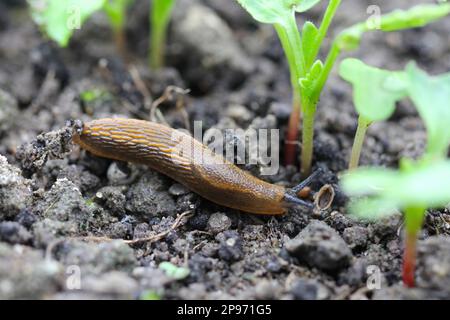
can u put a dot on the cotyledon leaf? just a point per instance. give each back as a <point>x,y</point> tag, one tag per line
<point>375,91</point>
<point>275,11</point>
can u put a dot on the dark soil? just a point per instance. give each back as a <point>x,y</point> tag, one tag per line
<point>56,200</point>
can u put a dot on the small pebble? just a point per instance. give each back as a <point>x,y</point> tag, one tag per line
<point>218,222</point>
<point>321,247</point>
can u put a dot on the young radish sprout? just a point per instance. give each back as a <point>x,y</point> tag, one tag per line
<point>159,20</point>
<point>58,19</point>
<point>301,52</point>
<point>309,74</point>
<point>375,92</point>
<point>416,185</point>
<point>412,189</point>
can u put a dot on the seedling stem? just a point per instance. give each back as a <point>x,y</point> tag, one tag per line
<point>299,65</point>
<point>291,43</point>
<point>120,42</point>
<point>310,104</point>
<point>307,139</point>
<point>159,21</point>
<point>157,48</point>
<point>363,124</point>
<point>413,219</point>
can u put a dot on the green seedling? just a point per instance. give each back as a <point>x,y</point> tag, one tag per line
<point>150,295</point>
<point>301,51</point>
<point>412,189</point>
<point>116,11</point>
<point>58,19</point>
<point>174,272</point>
<point>159,20</point>
<point>88,96</point>
<point>431,97</point>
<point>309,74</point>
<point>376,91</point>
<point>418,185</point>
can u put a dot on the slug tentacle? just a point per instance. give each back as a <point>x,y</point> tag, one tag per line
<point>290,195</point>
<point>306,182</point>
<point>294,200</point>
<point>187,161</point>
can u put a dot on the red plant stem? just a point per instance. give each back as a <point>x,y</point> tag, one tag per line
<point>291,143</point>
<point>409,259</point>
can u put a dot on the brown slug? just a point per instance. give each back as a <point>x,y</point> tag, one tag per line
<point>187,161</point>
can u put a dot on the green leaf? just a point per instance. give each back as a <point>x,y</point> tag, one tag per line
<point>150,295</point>
<point>309,34</point>
<point>177,273</point>
<point>417,16</point>
<point>275,11</point>
<point>350,38</point>
<point>161,10</point>
<point>372,208</point>
<point>375,91</point>
<point>427,184</point>
<point>368,181</point>
<point>431,96</point>
<point>160,17</point>
<point>91,95</point>
<point>116,11</point>
<point>60,18</point>
<point>301,5</point>
<point>308,83</point>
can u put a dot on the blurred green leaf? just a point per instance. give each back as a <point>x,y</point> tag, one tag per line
<point>382,190</point>
<point>60,18</point>
<point>417,16</point>
<point>368,181</point>
<point>92,94</point>
<point>116,11</point>
<point>350,38</point>
<point>375,91</point>
<point>161,10</point>
<point>372,208</point>
<point>177,273</point>
<point>150,295</point>
<point>431,96</point>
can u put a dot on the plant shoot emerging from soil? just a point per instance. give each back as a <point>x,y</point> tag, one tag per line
<point>417,185</point>
<point>301,52</point>
<point>159,20</point>
<point>309,74</point>
<point>412,189</point>
<point>375,92</point>
<point>116,11</point>
<point>58,19</point>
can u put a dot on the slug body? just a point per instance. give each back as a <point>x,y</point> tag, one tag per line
<point>184,159</point>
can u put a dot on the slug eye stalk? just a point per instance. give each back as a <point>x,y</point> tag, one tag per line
<point>306,182</point>
<point>290,195</point>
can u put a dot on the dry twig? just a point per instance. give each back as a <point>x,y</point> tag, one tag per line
<point>150,239</point>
